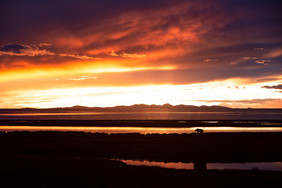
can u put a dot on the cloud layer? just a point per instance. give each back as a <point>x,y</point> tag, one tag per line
<point>129,42</point>
<point>27,50</point>
<point>274,87</point>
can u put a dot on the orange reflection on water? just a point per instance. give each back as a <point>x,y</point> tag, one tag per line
<point>277,166</point>
<point>160,164</point>
<point>109,130</point>
<point>51,114</point>
<point>140,130</point>
<point>241,129</point>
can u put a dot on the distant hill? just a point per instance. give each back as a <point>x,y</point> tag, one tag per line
<point>133,108</point>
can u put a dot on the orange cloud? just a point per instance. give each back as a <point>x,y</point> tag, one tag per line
<point>126,55</point>
<point>68,68</point>
<point>140,43</point>
<point>274,54</point>
<point>69,42</point>
<point>78,56</point>
<point>113,53</point>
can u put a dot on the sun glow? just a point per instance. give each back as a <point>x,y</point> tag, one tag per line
<point>225,93</point>
<point>32,71</point>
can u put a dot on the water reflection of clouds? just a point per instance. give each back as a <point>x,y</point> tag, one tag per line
<point>159,164</point>
<point>275,166</point>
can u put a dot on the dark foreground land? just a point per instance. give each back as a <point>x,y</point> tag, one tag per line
<point>75,159</point>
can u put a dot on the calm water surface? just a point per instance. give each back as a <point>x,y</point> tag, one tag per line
<point>275,166</point>
<point>233,115</point>
<point>140,130</point>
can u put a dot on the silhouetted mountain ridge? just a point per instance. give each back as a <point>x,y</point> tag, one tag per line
<point>133,108</point>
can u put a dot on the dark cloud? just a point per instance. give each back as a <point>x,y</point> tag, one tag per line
<point>27,50</point>
<point>14,48</point>
<point>205,39</point>
<point>23,50</point>
<point>273,87</point>
<point>252,101</point>
<point>22,19</point>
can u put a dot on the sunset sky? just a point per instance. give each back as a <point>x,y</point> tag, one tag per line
<point>124,52</point>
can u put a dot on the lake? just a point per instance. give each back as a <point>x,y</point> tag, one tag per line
<point>140,130</point>
<point>232,115</point>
